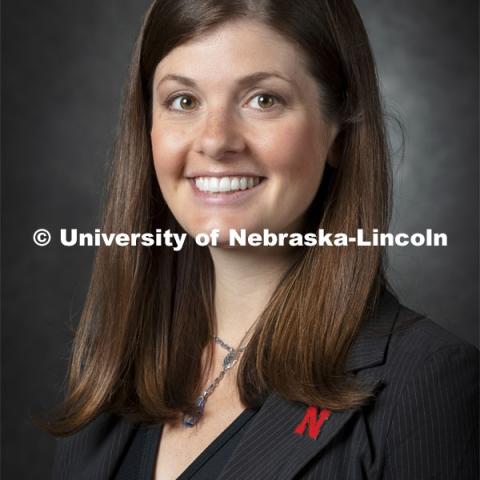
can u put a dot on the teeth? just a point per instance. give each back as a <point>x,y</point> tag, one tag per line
<point>235,184</point>
<point>225,184</point>
<point>212,184</point>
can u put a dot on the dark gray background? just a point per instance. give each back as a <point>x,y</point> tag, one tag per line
<point>63,67</point>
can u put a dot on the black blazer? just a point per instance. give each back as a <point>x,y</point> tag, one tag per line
<point>423,423</point>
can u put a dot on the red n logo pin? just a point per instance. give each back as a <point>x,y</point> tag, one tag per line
<point>313,420</point>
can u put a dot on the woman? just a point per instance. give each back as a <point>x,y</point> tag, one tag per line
<point>257,362</point>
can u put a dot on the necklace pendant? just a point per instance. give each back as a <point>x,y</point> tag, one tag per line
<point>229,360</point>
<point>191,420</point>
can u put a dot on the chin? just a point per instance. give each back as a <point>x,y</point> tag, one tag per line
<point>223,235</point>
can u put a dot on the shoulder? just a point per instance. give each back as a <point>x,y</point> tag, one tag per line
<point>417,341</point>
<point>396,341</point>
<point>423,357</point>
<point>92,452</point>
<point>430,401</point>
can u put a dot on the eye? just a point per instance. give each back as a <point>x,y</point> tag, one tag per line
<point>266,101</point>
<point>180,103</point>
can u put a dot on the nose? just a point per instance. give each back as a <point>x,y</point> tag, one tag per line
<point>219,134</point>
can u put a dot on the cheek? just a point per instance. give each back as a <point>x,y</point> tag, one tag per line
<point>168,152</point>
<point>296,156</point>
<point>297,150</point>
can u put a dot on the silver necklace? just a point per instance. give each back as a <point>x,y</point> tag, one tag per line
<point>228,362</point>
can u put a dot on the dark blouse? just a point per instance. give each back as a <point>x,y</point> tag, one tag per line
<point>138,462</point>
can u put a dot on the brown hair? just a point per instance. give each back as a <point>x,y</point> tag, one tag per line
<point>132,347</point>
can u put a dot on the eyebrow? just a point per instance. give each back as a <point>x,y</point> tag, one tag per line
<point>242,82</point>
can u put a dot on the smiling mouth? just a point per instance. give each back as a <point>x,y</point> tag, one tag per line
<point>230,184</point>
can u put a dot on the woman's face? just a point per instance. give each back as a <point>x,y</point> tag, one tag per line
<point>238,138</point>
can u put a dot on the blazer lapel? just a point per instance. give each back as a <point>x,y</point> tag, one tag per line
<point>270,447</point>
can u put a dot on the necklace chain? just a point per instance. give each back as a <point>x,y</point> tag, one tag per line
<point>226,346</point>
<point>228,362</point>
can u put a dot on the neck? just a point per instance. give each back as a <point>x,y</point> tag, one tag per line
<point>244,282</point>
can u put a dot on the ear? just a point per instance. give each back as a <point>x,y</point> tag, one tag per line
<point>333,156</point>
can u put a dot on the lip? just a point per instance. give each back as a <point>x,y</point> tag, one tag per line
<point>225,198</point>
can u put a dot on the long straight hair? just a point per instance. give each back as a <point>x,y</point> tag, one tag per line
<point>149,315</point>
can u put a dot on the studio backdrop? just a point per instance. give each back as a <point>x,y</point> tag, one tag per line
<point>64,64</point>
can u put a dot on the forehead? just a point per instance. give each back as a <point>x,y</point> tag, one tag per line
<point>232,49</point>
